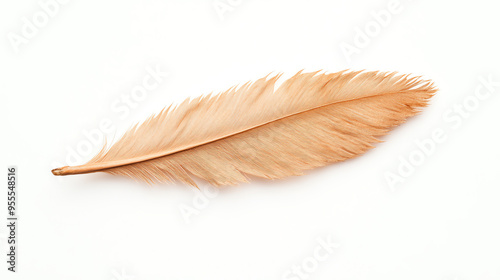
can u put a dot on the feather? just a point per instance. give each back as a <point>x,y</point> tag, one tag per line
<point>310,120</point>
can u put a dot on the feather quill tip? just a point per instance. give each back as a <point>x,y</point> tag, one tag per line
<point>57,171</point>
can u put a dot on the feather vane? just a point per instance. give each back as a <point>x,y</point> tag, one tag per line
<point>310,120</point>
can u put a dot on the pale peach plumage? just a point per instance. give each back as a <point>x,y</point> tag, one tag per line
<point>311,120</point>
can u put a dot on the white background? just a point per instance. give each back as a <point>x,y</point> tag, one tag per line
<point>442,222</point>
